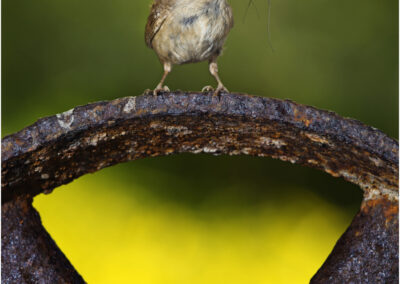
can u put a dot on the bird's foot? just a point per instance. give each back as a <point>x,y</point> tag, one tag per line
<point>207,89</point>
<point>148,92</point>
<point>220,89</point>
<point>159,89</point>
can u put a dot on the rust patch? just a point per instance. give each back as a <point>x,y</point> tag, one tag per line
<point>390,209</point>
<point>317,138</point>
<point>300,116</point>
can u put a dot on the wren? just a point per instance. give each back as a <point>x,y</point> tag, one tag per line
<point>188,31</point>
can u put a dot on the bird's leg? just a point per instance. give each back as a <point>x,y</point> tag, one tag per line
<point>160,87</point>
<point>213,66</point>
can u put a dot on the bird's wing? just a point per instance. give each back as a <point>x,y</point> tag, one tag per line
<point>158,14</point>
<point>230,17</point>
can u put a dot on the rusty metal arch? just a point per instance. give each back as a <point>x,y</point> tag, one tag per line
<point>57,149</point>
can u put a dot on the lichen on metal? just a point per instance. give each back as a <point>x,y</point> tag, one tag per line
<point>57,149</point>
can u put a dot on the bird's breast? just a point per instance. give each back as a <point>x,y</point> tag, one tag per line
<point>193,32</point>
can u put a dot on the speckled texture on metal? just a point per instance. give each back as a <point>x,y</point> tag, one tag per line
<point>368,252</point>
<point>57,149</point>
<point>29,255</point>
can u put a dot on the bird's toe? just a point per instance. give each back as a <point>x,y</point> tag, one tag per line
<point>147,92</point>
<point>159,90</point>
<point>220,89</point>
<point>207,89</point>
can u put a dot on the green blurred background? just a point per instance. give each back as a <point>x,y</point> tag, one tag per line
<point>199,218</point>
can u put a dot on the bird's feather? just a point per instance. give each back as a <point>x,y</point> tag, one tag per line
<point>159,12</point>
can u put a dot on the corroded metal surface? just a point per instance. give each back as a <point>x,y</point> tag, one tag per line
<point>57,149</point>
<point>368,252</point>
<point>28,253</point>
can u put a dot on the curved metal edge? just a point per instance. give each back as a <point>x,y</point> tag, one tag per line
<point>33,157</point>
<point>180,103</point>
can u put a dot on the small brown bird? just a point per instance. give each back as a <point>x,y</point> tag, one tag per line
<point>188,31</point>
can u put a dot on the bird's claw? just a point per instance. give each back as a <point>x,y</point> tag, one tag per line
<point>147,92</point>
<point>220,89</point>
<point>207,89</point>
<point>160,89</point>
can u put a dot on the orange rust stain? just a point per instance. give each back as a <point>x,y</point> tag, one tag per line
<point>159,110</point>
<point>301,117</point>
<point>316,138</point>
<point>98,108</point>
<point>366,206</point>
<point>141,111</point>
<point>19,142</point>
<point>332,173</point>
<point>24,205</point>
<point>390,208</point>
<point>391,211</point>
<point>7,147</point>
<point>117,101</point>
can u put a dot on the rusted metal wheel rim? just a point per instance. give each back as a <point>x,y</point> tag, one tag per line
<point>57,149</point>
